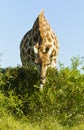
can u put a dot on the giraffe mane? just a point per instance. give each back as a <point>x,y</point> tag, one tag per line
<point>42,26</point>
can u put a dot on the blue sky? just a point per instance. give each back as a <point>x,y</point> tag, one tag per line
<point>66,17</point>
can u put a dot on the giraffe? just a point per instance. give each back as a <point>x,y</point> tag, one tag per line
<point>39,46</point>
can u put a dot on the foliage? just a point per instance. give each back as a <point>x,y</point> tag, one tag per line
<point>61,101</point>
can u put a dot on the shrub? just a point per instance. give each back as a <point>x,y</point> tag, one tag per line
<point>62,97</point>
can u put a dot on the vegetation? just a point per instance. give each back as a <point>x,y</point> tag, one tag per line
<point>60,106</point>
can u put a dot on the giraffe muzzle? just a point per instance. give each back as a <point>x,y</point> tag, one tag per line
<point>42,79</point>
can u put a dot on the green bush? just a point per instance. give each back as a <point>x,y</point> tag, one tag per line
<point>62,98</point>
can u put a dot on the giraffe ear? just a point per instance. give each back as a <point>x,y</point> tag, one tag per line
<point>36,49</point>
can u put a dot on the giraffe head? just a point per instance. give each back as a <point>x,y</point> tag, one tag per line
<point>46,58</point>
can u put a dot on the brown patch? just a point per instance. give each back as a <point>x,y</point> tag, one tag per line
<point>49,39</point>
<point>47,49</point>
<point>29,51</point>
<point>35,38</point>
<point>53,53</point>
<point>26,46</point>
<point>29,58</point>
<point>30,42</point>
<point>55,60</point>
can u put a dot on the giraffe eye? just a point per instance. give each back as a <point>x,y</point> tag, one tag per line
<point>48,64</point>
<point>47,49</point>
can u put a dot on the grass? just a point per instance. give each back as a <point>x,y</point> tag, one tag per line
<point>9,122</point>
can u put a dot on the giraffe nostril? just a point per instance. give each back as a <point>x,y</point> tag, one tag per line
<point>42,78</point>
